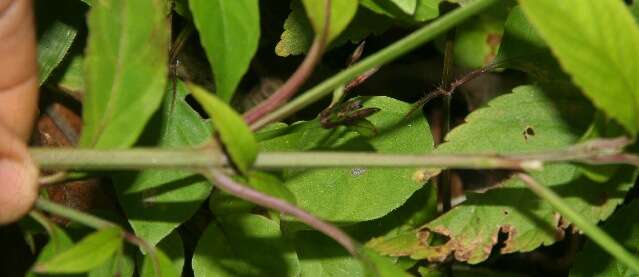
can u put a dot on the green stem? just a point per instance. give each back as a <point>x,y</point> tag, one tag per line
<point>591,230</point>
<point>383,56</point>
<point>72,214</point>
<point>595,151</point>
<point>85,159</point>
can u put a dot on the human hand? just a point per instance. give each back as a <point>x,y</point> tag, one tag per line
<point>18,102</point>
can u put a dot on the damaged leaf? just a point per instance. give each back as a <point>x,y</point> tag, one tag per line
<point>472,228</point>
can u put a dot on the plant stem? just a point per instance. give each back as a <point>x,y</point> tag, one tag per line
<point>293,84</point>
<point>443,182</point>
<point>590,229</point>
<point>383,56</point>
<point>227,184</point>
<point>137,158</point>
<point>596,151</point>
<point>72,214</point>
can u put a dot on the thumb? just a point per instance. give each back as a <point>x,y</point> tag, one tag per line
<point>18,178</point>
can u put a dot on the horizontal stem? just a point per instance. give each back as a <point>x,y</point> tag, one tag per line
<point>147,158</point>
<point>381,57</point>
<point>595,151</point>
<point>136,158</point>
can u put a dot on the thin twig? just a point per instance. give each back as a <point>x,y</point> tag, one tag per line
<point>52,178</point>
<point>591,230</point>
<point>227,184</point>
<point>293,84</point>
<point>443,182</point>
<point>72,214</point>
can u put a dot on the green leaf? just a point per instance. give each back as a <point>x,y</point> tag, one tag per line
<point>57,24</point>
<point>158,265</point>
<point>87,254</point>
<point>558,116</point>
<point>593,50</point>
<point>58,242</point>
<point>355,194</point>
<point>321,256</point>
<point>244,245</point>
<point>594,261</point>
<point>342,12</point>
<point>477,40</point>
<point>406,11</point>
<point>393,8</point>
<point>379,266</point>
<point>157,201</point>
<point>298,33</point>
<point>229,32</point>
<point>72,79</point>
<point>173,247</point>
<point>222,203</point>
<point>126,63</point>
<point>121,265</point>
<point>426,10</point>
<point>234,133</point>
<point>523,49</point>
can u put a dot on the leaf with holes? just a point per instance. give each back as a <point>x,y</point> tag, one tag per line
<point>557,116</point>
<point>229,32</point>
<point>157,201</point>
<point>87,254</point>
<point>126,64</point>
<point>593,51</point>
<point>244,245</point>
<point>355,194</point>
<point>236,136</point>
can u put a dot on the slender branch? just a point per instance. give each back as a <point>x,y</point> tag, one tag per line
<point>227,184</point>
<point>591,230</point>
<point>443,182</point>
<point>383,56</point>
<point>597,151</point>
<point>72,214</point>
<point>137,158</point>
<point>293,84</point>
<point>51,179</point>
